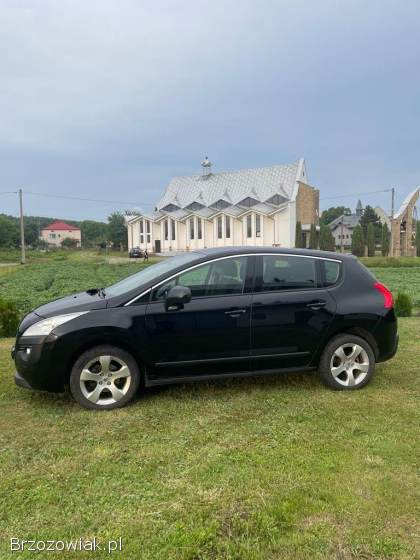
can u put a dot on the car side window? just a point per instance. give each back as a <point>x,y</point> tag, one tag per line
<point>284,272</point>
<point>220,277</point>
<point>331,272</point>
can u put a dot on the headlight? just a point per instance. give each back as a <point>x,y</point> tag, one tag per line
<point>45,326</point>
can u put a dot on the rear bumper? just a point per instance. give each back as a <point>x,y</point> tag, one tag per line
<point>391,353</point>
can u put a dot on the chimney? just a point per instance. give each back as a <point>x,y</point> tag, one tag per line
<point>206,165</point>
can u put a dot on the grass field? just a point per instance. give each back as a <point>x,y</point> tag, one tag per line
<point>52,275</point>
<point>263,468</point>
<point>48,277</point>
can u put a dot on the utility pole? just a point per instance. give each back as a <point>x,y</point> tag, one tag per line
<point>342,236</point>
<point>392,202</point>
<point>392,217</point>
<point>22,230</point>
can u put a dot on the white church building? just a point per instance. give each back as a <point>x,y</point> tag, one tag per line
<point>233,208</point>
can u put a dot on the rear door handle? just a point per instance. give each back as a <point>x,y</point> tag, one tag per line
<point>316,304</point>
<point>235,312</point>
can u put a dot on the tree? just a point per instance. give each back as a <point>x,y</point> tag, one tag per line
<point>418,238</point>
<point>9,232</point>
<point>326,239</point>
<point>369,216</point>
<point>93,233</point>
<point>117,230</point>
<point>332,213</point>
<point>385,241</point>
<point>370,240</point>
<point>313,237</point>
<point>358,242</point>
<point>299,236</point>
<point>31,233</point>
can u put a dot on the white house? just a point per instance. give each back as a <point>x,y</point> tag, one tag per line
<point>248,207</point>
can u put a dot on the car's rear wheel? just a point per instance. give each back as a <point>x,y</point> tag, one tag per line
<point>104,377</point>
<point>347,363</point>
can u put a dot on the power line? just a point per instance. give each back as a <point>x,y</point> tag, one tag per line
<point>83,199</point>
<point>354,194</point>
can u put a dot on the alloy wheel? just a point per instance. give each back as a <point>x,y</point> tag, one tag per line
<point>105,380</point>
<point>349,364</point>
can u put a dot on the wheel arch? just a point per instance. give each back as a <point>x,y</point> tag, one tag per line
<point>100,340</point>
<point>357,331</point>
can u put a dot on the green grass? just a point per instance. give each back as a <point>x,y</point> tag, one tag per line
<point>264,468</point>
<point>51,275</point>
<point>401,280</point>
<point>391,262</point>
<point>59,274</point>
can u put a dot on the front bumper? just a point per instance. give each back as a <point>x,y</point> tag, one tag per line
<point>21,381</point>
<point>38,364</point>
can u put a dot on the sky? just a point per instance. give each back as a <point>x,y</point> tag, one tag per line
<point>107,100</point>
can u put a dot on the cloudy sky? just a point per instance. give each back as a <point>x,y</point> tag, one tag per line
<point>109,99</point>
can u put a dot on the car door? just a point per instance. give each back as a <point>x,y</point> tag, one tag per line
<point>290,311</point>
<point>211,334</point>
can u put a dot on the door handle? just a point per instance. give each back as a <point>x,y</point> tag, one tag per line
<point>235,312</point>
<point>315,305</point>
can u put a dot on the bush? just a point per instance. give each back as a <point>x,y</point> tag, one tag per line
<point>9,318</point>
<point>403,305</point>
<point>69,243</point>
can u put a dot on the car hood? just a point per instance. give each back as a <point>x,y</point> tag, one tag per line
<point>71,304</point>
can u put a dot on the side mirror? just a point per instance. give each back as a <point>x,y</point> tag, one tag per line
<point>177,297</point>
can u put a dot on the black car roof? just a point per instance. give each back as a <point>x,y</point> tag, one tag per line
<point>226,251</point>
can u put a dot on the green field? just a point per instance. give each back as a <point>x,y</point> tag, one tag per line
<point>262,468</point>
<point>49,276</point>
<point>401,280</point>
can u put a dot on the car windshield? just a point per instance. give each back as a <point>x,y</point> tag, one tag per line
<point>148,273</point>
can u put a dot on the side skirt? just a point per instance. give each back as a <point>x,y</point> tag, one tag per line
<point>172,380</point>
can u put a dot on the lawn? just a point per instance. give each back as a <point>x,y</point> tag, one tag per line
<point>262,468</point>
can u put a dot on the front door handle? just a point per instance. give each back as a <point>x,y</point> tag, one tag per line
<point>235,312</point>
<point>315,305</point>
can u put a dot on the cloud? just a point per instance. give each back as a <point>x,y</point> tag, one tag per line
<point>121,95</point>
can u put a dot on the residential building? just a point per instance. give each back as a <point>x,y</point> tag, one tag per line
<point>247,207</point>
<point>55,233</point>
<point>343,226</point>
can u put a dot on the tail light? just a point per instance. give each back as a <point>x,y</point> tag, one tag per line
<point>388,299</point>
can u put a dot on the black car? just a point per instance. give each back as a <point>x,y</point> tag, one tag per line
<point>208,315</point>
<point>136,253</point>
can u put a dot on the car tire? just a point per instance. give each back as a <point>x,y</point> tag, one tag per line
<point>104,377</point>
<point>347,363</point>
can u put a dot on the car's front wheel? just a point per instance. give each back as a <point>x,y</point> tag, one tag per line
<point>104,377</point>
<point>347,363</point>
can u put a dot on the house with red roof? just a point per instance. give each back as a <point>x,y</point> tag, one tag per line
<point>55,233</point>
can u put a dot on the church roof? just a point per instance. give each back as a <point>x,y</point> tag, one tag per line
<point>234,186</point>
